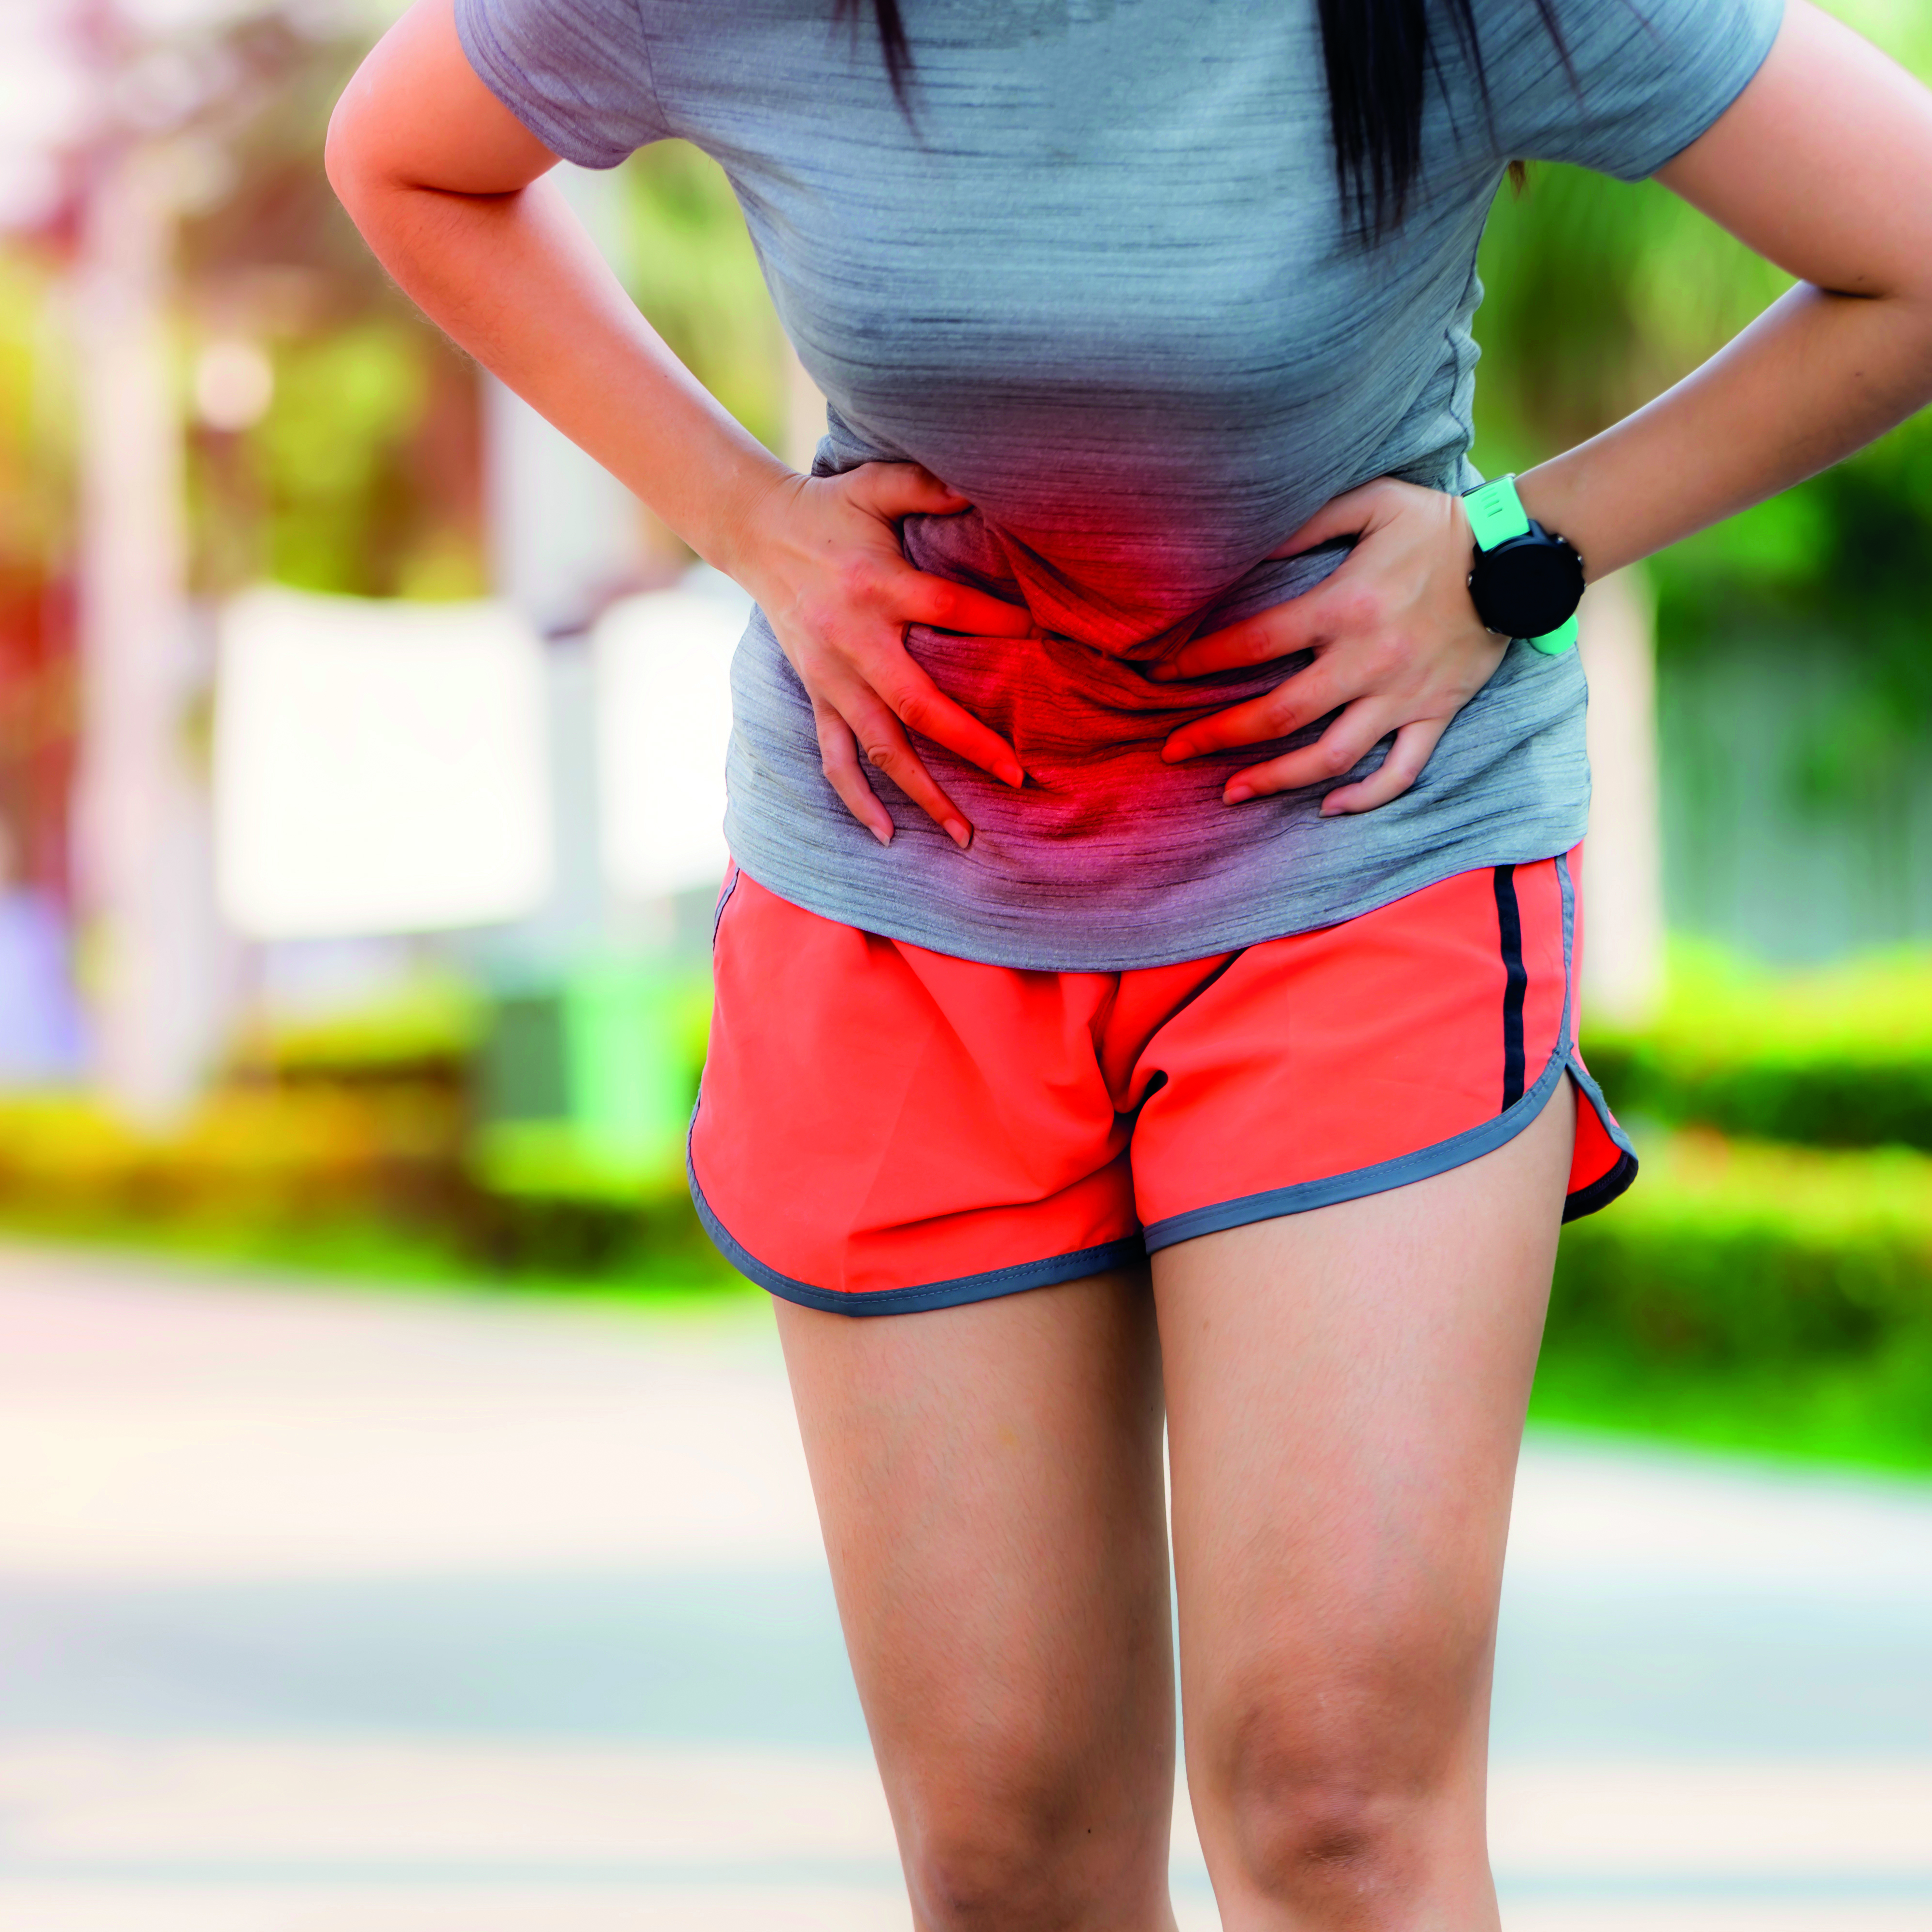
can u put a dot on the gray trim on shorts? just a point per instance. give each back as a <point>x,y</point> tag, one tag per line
<point>1457,1151</point>
<point>1470,1145</point>
<point>987,1287</point>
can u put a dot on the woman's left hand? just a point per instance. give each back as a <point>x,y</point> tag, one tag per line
<point>1398,648</point>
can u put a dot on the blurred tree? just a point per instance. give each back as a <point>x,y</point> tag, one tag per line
<point>693,272</point>
<point>37,698</point>
<point>360,473</point>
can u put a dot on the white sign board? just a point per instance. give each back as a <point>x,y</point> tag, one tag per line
<point>379,767</point>
<point>663,722</point>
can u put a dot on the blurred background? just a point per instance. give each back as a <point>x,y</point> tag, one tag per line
<point>360,783</point>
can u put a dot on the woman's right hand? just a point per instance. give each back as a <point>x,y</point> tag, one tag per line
<point>821,555</point>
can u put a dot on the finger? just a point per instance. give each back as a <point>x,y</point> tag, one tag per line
<point>921,706</point>
<point>886,748</point>
<point>1279,713</point>
<point>919,598</point>
<point>896,489</point>
<point>1414,744</point>
<point>1279,632</point>
<point>1341,748</point>
<point>838,758</point>
<point>1348,515</point>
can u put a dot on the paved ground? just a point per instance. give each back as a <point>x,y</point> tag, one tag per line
<point>348,1613</point>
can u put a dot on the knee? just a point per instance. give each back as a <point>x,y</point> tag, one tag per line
<point>1354,1825</point>
<point>987,1866</point>
<point>1339,1846</point>
<point>1021,1850</point>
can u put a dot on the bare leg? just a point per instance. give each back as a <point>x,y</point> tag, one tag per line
<point>988,1478</point>
<point>1345,1391</point>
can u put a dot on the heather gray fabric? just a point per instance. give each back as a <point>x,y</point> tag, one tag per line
<point>1102,284</point>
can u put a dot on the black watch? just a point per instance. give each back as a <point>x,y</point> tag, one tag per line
<point>1525,582</point>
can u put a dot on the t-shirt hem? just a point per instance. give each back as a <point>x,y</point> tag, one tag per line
<point>1050,949</point>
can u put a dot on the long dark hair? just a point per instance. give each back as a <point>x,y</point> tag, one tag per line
<point>1378,54</point>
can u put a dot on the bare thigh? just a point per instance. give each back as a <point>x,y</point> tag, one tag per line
<point>988,1479</point>
<point>1346,1392</point>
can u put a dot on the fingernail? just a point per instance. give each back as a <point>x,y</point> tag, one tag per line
<point>1176,749</point>
<point>1013,775</point>
<point>884,835</point>
<point>1236,794</point>
<point>959,832</point>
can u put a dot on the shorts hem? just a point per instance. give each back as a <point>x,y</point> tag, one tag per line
<point>986,1286</point>
<point>1599,1193</point>
<point>1380,1178</point>
<point>1605,1189</point>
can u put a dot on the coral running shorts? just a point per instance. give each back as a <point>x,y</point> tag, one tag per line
<point>883,1129</point>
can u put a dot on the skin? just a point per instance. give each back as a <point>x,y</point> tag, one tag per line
<point>1345,1393</point>
<point>1344,1389</point>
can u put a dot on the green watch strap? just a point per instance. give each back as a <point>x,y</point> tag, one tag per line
<point>1496,513</point>
<point>1554,644</point>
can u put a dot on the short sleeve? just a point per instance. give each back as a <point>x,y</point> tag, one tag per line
<point>576,73</point>
<point>1634,82</point>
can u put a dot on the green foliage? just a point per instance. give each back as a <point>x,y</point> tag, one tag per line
<point>345,510</point>
<point>1768,1296</point>
<point>1840,1057</point>
<point>696,276</point>
<point>1597,295</point>
<point>431,1021</point>
<point>1731,1251</point>
<point>359,1172</point>
<point>36,434</point>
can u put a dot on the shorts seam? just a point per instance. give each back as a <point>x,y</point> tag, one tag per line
<point>1440,1156</point>
<point>723,900</point>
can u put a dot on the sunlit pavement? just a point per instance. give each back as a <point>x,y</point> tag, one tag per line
<point>383,1614</point>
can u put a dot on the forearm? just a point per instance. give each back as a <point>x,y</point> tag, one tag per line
<point>514,279</point>
<point>1818,376</point>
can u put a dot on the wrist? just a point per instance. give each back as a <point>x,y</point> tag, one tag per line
<point>1550,494</point>
<point>736,533</point>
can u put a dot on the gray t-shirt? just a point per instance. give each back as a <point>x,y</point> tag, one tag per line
<point>1102,284</point>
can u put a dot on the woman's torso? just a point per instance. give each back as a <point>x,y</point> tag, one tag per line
<point>1101,281</point>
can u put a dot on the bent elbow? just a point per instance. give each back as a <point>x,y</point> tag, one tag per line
<point>352,150</point>
<point>343,151</point>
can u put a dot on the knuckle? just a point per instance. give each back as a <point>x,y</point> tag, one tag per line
<point>823,642</point>
<point>1334,760</point>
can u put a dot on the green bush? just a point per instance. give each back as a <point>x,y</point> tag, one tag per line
<point>1838,1057</point>
<point>1766,1296</point>
<point>1727,1251</point>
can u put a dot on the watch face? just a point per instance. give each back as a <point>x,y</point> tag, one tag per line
<point>1526,587</point>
